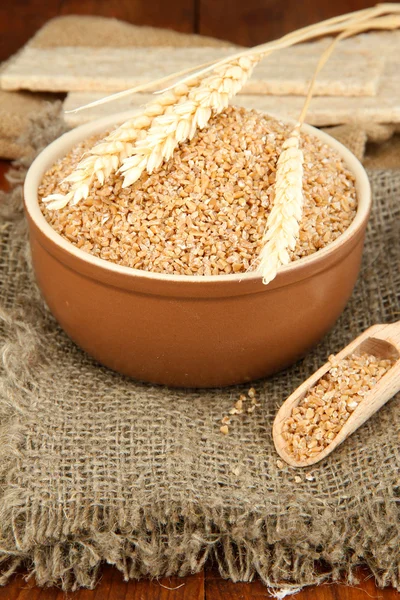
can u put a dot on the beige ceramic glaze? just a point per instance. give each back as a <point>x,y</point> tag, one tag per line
<point>191,331</point>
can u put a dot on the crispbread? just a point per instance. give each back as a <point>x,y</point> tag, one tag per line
<point>323,111</point>
<point>353,72</point>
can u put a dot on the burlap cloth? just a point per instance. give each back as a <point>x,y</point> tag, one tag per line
<point>96,467</point>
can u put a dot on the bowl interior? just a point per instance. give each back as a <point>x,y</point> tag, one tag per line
<point>62,145</point>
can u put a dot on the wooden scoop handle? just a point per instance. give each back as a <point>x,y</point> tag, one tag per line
<point>381,340</point>
<point>389,333</point>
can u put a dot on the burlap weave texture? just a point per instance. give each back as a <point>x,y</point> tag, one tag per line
<point>96,467</point>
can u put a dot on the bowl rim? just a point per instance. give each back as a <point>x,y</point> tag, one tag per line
<point>59,147</point>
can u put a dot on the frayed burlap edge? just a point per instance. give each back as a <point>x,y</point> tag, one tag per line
<point>181,545</point>
<point>166,542</point>
<point>162,540</point>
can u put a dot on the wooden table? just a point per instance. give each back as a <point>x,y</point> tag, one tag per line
<point>206,585</point>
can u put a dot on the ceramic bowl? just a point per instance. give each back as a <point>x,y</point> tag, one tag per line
<point>191,331</point>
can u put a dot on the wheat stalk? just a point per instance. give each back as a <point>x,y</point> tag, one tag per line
<point>106,157</point>
<point>323,28</point>
<point>283,223</point>
<point>367,19</point>
<point>180,124</point>
<point>144,142</point>
<point>147,140</point>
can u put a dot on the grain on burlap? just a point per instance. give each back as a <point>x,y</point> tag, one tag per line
<point>95,467</point>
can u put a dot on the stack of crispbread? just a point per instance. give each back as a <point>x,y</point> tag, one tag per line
<point>87,58</point>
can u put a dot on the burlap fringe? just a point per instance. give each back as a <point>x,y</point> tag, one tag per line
<point>182,545</point>
<point>159,541</point>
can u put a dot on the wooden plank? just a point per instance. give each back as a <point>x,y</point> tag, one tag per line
<point>111,586</point>
<point>221,589</point>
<point>210,586</point>
<point>255,21</point>
<point>20,19</point>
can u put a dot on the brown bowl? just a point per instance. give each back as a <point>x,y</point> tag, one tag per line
<point>191,331</point>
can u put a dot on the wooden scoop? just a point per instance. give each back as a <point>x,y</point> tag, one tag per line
<point>383,341</point>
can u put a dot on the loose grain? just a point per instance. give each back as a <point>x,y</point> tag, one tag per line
<point>240,407</point>
<point>326,407</point>
<point>204,211</point>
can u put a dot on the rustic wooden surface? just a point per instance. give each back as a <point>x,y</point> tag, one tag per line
<point>246,22</point>
<point>250,22</point>
<point>207,585</point>
<point>20,19</point>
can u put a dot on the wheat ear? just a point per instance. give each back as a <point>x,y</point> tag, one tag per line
<point>283,223</point>
<point>181,122</point>
<point>172,119</point>
<point>144,142</point>
<point>151,137</point>
<point>107,156</point>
